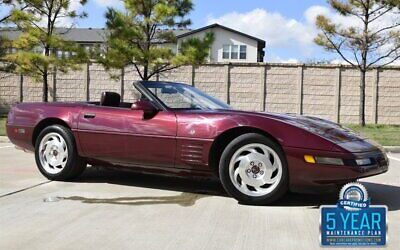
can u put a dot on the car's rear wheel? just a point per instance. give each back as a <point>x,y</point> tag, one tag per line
<point>253,169</point>
<point>56,155</point>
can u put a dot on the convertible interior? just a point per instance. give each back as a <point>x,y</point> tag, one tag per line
<point>112,99</point>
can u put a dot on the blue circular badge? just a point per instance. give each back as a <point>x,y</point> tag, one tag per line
<point>353,197</point>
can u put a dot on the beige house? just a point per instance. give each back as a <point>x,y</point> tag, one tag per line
<point>229,45</point>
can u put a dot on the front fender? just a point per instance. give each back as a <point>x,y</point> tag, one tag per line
<point>212,125</point>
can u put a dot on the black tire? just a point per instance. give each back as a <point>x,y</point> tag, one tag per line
<point>230,188</point>
<point>75,165</point>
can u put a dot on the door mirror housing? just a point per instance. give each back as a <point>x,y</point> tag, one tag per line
<point>149,109</point>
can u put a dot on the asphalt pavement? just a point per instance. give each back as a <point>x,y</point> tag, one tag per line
<point>107,209</point>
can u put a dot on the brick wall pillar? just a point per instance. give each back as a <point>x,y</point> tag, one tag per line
<point>375,95</point>
<point>87,81</point>
<point>263,86</point>
<point>54,92</point>
<point>122,83</point>
<point>300,80</point>
<point>338,86</point>
<point>227,71</point>
<point>193,75</point>
<point>21,87</point>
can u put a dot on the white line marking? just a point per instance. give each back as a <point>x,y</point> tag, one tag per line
<point>393,158</point>
<point>7,147</point>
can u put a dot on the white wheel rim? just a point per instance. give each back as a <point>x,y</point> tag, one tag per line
<point>53,153</point>
<point>255,169</point>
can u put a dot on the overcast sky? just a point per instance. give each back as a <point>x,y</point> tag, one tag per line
<point>287,26</point>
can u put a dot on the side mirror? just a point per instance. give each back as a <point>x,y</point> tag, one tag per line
<point>149,109</point>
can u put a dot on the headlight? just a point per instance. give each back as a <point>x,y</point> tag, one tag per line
<point>329,161</point>
<point>362,162</point>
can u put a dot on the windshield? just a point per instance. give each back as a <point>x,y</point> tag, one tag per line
<point>182,96</point>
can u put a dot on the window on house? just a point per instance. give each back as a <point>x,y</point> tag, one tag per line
<point>38,50</point>
<point>243,51</point>
<point>88,48</point>
<point>59,54</point>
<point>11,50</point>
<point>225,51</point>
<point>234,51</point>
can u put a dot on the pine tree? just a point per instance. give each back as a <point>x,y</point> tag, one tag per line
<point>365,44</point>
<point>141,36</point>
<point>5,43</point>
<point>40,40</point>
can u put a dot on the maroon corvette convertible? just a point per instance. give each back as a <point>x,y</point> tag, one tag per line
<point>174,128</point>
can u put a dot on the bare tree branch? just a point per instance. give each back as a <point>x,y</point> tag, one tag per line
<point>5,18</point>
<point>138,70</point>
<point>163,68</point>
<point>337,48</point>
<point>371,13</point>
<point>391,61</point>
<point>387,55</point>
<point>380,15</point>
<point>384,29</point>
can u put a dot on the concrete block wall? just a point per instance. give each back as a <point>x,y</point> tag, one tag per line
<point>245,87</point>
<point>32,90</point>
<point>101,80</point>
<point>71,87</point>
<point>369,95</point>
<point>9,91</point>
<point>130,94</point>
<point>212,79</point>
<point>327,91</point>
<point>388,103</point>
<point>319,92</point>
<point>181,74</point>
<point>350,96</point>
<point>282,88</point>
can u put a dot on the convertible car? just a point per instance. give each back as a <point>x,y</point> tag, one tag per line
<point>173,128</point>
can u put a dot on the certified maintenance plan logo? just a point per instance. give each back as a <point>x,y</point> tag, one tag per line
<point>353,221</point>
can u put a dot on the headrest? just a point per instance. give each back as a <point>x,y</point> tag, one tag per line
<point>110,99</point>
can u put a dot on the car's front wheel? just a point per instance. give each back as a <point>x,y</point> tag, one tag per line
<point>56,155</point>
<point>253,169</point>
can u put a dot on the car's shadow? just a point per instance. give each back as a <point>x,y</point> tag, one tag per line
<point>194,189</point>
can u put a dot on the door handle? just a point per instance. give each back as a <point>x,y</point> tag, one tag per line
<point>89,115</point>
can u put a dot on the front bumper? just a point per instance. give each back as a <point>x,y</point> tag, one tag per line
<point>316,178</point>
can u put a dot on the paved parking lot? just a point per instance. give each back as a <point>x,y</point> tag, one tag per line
<point>107,209</point>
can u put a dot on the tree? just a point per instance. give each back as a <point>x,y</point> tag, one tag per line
<point>373,41</point>
<point>16,4</point>
<point>4,42</point>
<point>41,39</point>
<point>141,37</point>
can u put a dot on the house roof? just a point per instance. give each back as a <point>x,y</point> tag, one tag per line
<point>96,35</point>
<point>216,25</point>
<point>80,35</point>
<point>75,34</point>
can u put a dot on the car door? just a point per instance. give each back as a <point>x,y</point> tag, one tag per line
<point>122,136</point>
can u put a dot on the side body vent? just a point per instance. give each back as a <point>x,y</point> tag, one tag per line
<point>192,154</point>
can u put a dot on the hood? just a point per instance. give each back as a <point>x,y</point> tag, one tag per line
<point>321,127</point>
<point>324,128</point>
